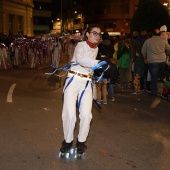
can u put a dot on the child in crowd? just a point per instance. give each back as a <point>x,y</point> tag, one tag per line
<point>112,79</point>
<point>105,85</point>
<point>124,62</point>
<point>102,84</point>
<point>139,69</point>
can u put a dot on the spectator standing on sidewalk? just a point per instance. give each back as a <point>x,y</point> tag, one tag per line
<point>124,62</point>
<point>166,36</point>
<point>102,84</point>
<point>138,72</point>
<point>113,75</point>
<point>107,44</point>
<point>116,45</point>
<point>163,33</point>
<point>142,37</point>
<point>153,52</point>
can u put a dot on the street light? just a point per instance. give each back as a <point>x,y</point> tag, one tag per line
<point>165,4</point>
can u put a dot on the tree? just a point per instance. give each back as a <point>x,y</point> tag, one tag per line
<point>149,15</point>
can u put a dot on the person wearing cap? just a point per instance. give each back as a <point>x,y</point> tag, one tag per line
<point>163,33</point>
<point>165,36</point>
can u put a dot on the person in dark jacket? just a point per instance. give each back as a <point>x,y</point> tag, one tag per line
<point>138,72</point>
<point>101,85</point>
<point>113,72</point>
<point>124,62</point>
<point>106,45</point>
<point>106,83</point>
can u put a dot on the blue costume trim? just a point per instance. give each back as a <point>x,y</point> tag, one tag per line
<point>71,79</point>
<point>97,79</point>
<point>82,94</point>
<point>66,67</point>
<point>97,66</point>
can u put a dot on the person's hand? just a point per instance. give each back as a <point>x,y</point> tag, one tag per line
<point>146,61</point>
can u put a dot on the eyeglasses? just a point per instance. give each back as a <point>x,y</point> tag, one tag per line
<point>96,34</point>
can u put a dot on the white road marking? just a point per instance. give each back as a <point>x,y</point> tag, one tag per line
<point>10,92</point>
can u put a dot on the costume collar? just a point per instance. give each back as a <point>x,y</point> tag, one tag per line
<point>92,45</point>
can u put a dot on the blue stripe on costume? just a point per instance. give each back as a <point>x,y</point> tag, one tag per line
<point>67,86</point>
<point>97,66</point>
<point>79,102</point>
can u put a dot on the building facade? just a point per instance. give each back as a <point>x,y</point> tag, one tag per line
<point>42,16</point>
<point>16,17</point>
<point>113,16</point>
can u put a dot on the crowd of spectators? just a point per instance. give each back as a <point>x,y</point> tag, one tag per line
<point>133,59</point>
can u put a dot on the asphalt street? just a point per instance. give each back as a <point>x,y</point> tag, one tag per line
<point>131,133</point>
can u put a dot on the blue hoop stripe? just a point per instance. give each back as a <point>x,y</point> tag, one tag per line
<point>97,66</point>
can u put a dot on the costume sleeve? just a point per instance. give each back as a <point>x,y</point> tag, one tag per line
<point>85,57</point>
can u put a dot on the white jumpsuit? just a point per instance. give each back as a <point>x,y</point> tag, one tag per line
<point>86,57</point>
<point>16,57</point>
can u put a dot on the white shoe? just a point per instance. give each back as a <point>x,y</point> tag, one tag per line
<point>112,99</point>
<point>105,102</point>
<point>98,102</point>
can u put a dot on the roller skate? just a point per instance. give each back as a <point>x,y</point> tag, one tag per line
<point>65,150</point>
<point>80,150</point>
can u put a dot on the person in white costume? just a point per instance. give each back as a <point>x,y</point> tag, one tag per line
<point>57,53</point>
<point>78,88</point>
<point>3,56</point>
<point>71,47</point>
<point>16,56</point>
<point>33,57</point>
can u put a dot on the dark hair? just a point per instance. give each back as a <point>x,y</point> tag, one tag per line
<point>72,41</point>
<point>88,29</point>
<point>156,31</point>
<point>105,36</point>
